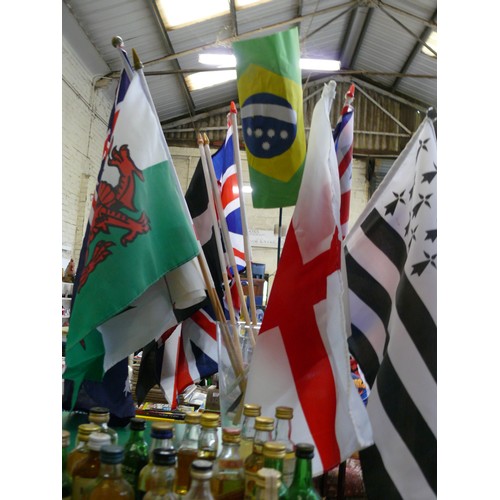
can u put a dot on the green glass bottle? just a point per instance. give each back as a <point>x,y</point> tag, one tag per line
<point>100,415</point>
<point>67,483</point>
<point>136,452</point>
<point>302,485</point>
<point>283,432</point>
<point>111,485</point>
<point>162,476</point>
<point>162,434</point>
<point>274,456</point>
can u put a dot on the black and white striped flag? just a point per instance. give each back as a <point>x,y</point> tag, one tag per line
<point>392,274</point>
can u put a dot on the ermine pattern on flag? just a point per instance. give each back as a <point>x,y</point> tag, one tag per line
<point>391,261</point>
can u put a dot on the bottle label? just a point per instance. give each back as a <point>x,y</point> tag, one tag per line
<point>288,468</point>
<point>82,486</point>
<point>250,485</point>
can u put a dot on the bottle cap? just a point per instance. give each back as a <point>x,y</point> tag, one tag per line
<point>111,454</point>
<point>84,431</point>
<point>99,415</point>
<point>162,430</point>
<point>209,419</point>
<point>274,449</point>
<point>65,438</point>
<point>231,435</point>
<point>162,456</point>
<point>98,439</point>
<point>285,412</point>
<point>304,450</point>
<point>264,423</point>
<point>251,410</point>
<point>137,424</point>
<point>193,417</point>
<point>201,469</point>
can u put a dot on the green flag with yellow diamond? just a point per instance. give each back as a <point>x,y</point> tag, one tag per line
<point>270,98</point>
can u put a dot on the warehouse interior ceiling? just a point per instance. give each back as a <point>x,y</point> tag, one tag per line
<point>388,45</point>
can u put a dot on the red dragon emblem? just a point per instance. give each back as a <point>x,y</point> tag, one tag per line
<point>108,206</point>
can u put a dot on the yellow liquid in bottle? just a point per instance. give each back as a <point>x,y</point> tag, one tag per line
<point>183,478</point>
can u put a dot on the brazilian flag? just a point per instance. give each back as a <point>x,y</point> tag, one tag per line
<point>270,97</point>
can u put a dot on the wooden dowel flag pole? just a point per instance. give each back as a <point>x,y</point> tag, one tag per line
<point>225,231</point>
<point>239,175</point>
<point>220,251</point>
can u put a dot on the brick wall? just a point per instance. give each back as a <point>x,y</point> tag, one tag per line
<point>84,123</point>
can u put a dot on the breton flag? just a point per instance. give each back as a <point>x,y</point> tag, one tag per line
<point>343,136</point>
<point>137,259</point>
<point>225,172</point>
<point>301,358</point>
<point>270,95</point>
<point>392,269</point>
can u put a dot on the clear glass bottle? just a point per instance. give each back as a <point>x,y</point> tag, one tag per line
<point>250,411</point>
<point>162,434</point>
<point>274,456</point>
<point>81,449</point>
<point>283,432</point>
<point>111,485</point>
<point>268,484</point>
<point>201,474</point>
<point>302,485</point>
<point>228,479</point>
<point>187,452</point>
<point>136,452</point>
<point>86,471</point>
<point>162,476</point>
<point>67,482</point>
<point>100,416</point>
<point>208,441</point>
<point>264,427</point>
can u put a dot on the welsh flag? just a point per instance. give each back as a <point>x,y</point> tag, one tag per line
<point>137,262</point>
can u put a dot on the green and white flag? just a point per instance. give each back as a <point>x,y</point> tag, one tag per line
<point>270,97</point>
<point>138,256</point>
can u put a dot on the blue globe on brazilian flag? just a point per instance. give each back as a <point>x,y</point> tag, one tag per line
<point>270,97</point>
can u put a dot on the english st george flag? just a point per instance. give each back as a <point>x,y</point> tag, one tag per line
<point>137,258</point>
<point>301,357</point>
<point>391,264</point>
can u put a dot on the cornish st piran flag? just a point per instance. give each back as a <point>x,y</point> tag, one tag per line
<point>301,358</point>
<point>139,238</point>
<point>270,96</point>
<point>391,264</point>
<point>343,137</point>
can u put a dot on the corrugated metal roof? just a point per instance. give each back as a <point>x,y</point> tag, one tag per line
<point>370,38</point>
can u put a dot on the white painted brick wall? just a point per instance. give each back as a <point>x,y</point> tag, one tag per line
<point>84,124</point>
